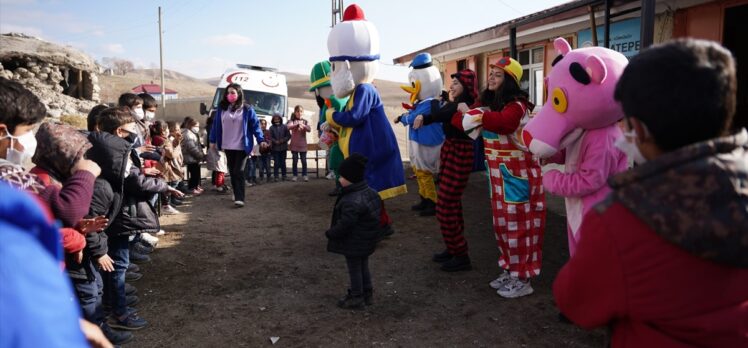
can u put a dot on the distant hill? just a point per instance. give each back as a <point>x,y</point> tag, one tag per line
<point>186,86</point>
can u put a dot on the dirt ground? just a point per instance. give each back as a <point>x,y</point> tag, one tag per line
<point>227,277</point>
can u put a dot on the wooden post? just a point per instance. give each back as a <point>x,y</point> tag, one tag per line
<point>593,25</point>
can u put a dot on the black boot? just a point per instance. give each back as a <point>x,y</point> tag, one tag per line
<point>420,205</point>
<point>335,192</point>
<point>442,257</point>
<point>457,263</point>
<point>116,337</point>
<point>385,232</point>
<point>429,209</point>
<point>368,297</point>
<point>350,301</point>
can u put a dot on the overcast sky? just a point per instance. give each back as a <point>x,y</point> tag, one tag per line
<point>202,38</point>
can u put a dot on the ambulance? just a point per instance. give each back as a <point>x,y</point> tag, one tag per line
<point>264,88</point>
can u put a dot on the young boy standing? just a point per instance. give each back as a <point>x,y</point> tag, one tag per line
<point>354,230</point>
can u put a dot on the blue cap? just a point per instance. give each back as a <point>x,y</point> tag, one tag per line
<point>421,61</point>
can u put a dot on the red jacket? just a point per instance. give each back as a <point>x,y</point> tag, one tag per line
<point>662,261</point>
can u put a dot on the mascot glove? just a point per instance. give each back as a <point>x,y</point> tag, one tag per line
<point>337,103</point>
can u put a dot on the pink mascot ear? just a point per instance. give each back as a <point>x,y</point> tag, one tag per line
<point>562,46</point>
<point>596,68</point>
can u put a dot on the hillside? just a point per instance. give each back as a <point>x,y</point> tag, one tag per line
<point>186,86</point>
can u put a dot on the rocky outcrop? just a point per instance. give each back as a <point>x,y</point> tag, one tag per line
<point>63,78</point>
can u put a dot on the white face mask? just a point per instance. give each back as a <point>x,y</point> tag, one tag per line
<point>128,166</point>
<point>139,114</point>
<point>196,129</point>
<point>341,81</point>
<point>629,147</point>
<point>149,115</point>
<point>28,141</point>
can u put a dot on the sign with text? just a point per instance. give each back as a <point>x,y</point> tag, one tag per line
<point>625,37</point>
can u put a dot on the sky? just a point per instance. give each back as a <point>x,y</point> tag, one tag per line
<point>203,38</point>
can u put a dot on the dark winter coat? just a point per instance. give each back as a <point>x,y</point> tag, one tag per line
<point>137,215</point>
<point>282,134</point>
<point>96,243</point>
<point>355,230</point>
<point>130,212</point>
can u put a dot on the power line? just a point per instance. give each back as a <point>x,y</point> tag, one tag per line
<point>511,8</point>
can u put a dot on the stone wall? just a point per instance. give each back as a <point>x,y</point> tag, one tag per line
<point>63,79</point>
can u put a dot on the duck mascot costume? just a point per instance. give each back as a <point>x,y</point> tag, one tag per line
<point>319,84</point>
<point>353,45</point>
<point>424,143</point>
<point>578,127</point>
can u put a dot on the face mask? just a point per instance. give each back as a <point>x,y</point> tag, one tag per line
<point>342,81</point>
<point>196,129</point>
<point>630,148</point>
<point>131,138</point>
<point>28,141</point>
<point>128,166</point>
<point>149,115</point>
<point>139,114</point>
<point>232,98</point>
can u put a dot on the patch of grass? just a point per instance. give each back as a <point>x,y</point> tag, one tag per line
<point>76,121</point>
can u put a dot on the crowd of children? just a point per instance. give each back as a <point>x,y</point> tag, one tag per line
<point>680,212</point>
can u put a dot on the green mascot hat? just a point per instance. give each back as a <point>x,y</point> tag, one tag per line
<point>320,76</point>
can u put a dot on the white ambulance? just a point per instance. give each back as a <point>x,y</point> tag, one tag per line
<point>264,88</point>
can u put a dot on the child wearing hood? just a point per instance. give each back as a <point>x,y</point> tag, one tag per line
<point>355,229</point>
<point>279,136</point>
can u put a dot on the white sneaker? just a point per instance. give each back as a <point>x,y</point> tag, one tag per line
<point>169,210</point>
<point>500,281</point>
<point>330,175</point>
<point>294,178</point>
<point>238,204</point>
<point>160,233</point>
<point>515,288</point>
<point>150,239</point>
<point>306,178</point>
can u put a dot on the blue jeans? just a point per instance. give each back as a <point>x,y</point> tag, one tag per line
<point>279,161</point>
<point>89,294</point>
<point>295,155</point>
<point>264,165</point>
<point>251,168</point>
<point>119,251</point>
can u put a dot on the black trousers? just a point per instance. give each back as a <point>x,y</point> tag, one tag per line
<point>235,160</point>
<point>358,270</point>
<point>193,169</point>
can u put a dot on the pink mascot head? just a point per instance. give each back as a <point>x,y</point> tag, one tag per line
<point>580,96</point>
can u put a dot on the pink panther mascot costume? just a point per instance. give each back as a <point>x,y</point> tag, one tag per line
<point>578,127</point>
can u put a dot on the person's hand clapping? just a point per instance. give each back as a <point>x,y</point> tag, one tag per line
<point>87,165</point>
<point>106,263</point>
<point>146,148</point>
<point>95,224</point>
<point>463,108</point>
<point>151,171</point>
<point>175,192</point>
<point>418,122</point>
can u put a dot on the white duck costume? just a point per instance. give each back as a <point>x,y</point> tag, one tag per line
<point>424,143</point>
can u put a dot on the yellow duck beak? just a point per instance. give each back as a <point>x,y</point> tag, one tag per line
<point>413,90</point>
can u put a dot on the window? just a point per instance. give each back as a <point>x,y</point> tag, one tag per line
<point>462,65</point>
<point>532,74</point>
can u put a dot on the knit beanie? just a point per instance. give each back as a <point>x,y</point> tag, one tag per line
<point>353,168</point>
<point>467,80</point>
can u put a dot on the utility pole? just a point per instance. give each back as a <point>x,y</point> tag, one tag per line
<point>161,58</point>
<point>337,12</point>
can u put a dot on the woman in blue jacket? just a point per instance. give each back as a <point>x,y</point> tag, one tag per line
<point>232,131</point>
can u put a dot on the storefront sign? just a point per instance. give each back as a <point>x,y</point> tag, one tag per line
<point>625,37</point>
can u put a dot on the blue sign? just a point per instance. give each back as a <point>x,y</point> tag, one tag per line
<point>625,37</point>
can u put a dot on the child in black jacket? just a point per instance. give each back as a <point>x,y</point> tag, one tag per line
<point>355,230</point>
